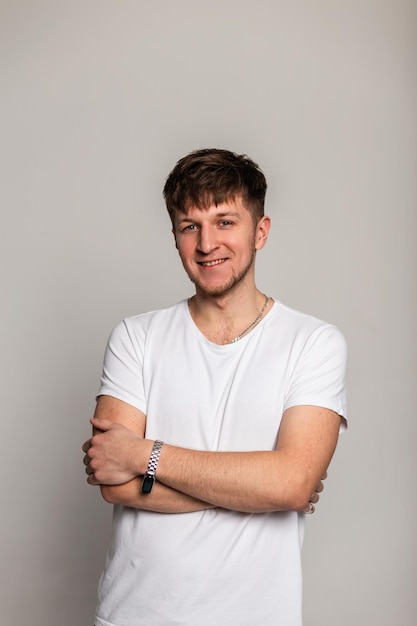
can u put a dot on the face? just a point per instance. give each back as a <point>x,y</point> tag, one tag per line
<point>218,246</point>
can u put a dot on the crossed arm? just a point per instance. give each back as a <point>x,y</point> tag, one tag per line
<point>287,478</point>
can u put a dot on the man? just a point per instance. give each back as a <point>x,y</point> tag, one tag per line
<point>248,397</point>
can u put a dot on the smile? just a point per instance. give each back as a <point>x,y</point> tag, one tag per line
<point>211,263</point>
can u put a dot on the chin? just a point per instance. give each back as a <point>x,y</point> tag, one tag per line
<point>215,290</point>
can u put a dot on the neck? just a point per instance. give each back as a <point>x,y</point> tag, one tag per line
<point>229,317</point>
<point>234,303</point>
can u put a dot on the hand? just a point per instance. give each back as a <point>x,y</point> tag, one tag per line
<point>111,454</point>
<point>315,496</point>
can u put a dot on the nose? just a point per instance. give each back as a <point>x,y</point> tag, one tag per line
<point>207,239</point>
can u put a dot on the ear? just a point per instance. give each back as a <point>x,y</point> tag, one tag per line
<point>262,232</point>
<point>175,237</point>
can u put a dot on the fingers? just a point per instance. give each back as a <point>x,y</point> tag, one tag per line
<point>86,445</point>
<point>319,487</point>
<point>89,471</point>
<point>310,510</point>
<point>86,461</point>
<point>91,480</point>
<point>101,423</point>
<point>315,496</point>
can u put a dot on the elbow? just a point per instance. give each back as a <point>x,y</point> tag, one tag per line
<point>292,502</point>
<point>295,496</point>
<point>300,493</point>
<point>299,502</point>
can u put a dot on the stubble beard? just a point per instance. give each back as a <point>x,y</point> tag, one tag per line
<point>234,281</point>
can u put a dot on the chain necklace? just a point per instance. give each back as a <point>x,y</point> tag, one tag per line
<point>255,321</point>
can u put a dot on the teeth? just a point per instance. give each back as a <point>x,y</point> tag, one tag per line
<point>211,263</point>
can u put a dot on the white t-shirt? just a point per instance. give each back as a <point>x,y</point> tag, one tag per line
<point>214,567</point>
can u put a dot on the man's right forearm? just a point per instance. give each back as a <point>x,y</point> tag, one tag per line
<point>162,499</point>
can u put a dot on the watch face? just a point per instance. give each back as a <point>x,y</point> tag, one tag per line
<point>147,484</point>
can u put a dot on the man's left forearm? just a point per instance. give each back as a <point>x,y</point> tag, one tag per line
<point>283,479</point>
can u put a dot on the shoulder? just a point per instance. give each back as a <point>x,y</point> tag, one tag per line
<point>307,331</point>
<point>136,327</point>
<point>318,353</point>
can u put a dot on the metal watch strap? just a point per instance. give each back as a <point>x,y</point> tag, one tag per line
<point>149,478</point>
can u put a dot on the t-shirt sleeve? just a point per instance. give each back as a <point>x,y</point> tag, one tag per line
<point>122,368</point>
<point>319,377</point>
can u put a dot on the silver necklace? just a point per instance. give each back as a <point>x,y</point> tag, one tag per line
<point>255,321</point>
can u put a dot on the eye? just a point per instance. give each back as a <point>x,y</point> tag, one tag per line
<point>189,228</point>
<point>226,223</point>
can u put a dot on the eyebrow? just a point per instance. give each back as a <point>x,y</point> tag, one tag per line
<point>221,215</point>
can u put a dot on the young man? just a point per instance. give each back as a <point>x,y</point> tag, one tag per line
<point>248,397</point>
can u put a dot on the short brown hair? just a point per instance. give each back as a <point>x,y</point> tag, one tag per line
<point>213,176</point>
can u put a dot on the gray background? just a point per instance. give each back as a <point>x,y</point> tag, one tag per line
<point>98,101</point>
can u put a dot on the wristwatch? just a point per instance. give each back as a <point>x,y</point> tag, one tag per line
<point>149,477</point>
